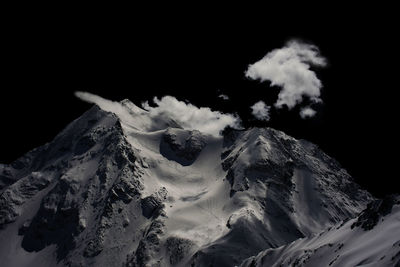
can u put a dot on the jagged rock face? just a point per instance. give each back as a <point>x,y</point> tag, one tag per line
<point>107,191</point>
<point>85,183</point>
<point>152,206</point>
<point>370,239</point>
<point>375,210</point>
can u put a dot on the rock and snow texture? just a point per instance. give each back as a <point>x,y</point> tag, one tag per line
<point>281,189</point>
<point>73,197</point>
<point>371,239</point>
<point>116,188</point>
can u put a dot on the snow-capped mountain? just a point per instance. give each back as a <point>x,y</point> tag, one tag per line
<point>371,239</point>
<point>118,187</point>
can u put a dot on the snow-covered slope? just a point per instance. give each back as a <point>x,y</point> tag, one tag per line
<point>371,239</point>
<point>116,188</point>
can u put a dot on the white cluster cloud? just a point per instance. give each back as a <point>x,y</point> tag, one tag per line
<point>192,117</point>
<point>307,112</point>
<point>289,68</point>
<point>261,111</point>
<point>224,97</point>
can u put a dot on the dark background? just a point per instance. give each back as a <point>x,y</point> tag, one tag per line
<point>195,55</point>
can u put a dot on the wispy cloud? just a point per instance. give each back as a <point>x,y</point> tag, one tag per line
<point>261,111</point>
<point>289,68</point>
<point>191,117</point>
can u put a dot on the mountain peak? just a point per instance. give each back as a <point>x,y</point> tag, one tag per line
<point>132,107</point>
<point>119,186</point>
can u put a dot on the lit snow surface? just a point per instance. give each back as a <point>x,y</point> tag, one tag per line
<point>117,188</point>
<point>341,245</point>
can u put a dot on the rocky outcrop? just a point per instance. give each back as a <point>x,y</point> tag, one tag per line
<point>182,146</point>
<point>375,210</point>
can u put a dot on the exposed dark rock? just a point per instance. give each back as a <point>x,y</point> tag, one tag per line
<point>151,206</point>
<point>178,248</point>
<point>12,198</point>
<point>55,223</point>
<point>126,189</point>
<point>24,227</point>
<point>84,144</point>
<point>375,211</point>
<point>149,246</point>
<point>184,152</point>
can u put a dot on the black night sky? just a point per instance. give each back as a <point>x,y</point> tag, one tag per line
<point>195,56</point>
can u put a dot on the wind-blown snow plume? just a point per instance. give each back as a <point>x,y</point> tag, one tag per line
<point>185,114</point>
<point>192,117</point>
<point>261,111</point>
<point>104,104</point>
<point>289,68</point>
